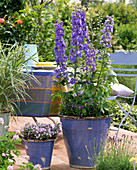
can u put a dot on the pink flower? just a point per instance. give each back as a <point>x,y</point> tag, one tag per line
<point>38,167</point>
<point>6,127</point>
<point>17,131</point>
<point>10,160</point>
<point>3,154</point>
<point>1,121</point>
<point>2,20</point>
<point>10,167</point>
<point>26,157</point>
<point>15,137</point>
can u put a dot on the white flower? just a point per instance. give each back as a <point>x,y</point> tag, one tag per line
<point>10,167</point>
<point>38,167</point>
<point>1,120</point>
<point>15,137</point>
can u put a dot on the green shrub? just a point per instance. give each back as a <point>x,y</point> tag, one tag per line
<point>38,27</point>
<point>125,17</point>
<point>8,7</point>
<point>127,34</point>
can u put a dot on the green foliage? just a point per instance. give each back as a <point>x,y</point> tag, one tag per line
<point>119,115</point>
<point>7,149</point>
<point>38,28</point>
<point>8,7</point>
<point>28,165</point>
<point>125,18</point>
<point>12,78</point>
<point>123,13</point>
<point>127,34</point>
<point>116,155</point>
<point>10,32</point>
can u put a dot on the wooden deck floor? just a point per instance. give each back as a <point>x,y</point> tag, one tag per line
<point>59,159</point>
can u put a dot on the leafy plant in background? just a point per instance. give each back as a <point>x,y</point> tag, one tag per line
<point>127,34</point>
<point>123,15</point>
<point>116,155</point>
<point>119,115</point>
<point>10,31</point>
<point>37,28</point>
<point>8,7</point>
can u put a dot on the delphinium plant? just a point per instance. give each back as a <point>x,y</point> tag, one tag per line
<point>85,69</point>
<point>40,131</point>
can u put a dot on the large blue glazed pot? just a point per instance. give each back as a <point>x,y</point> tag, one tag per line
<point>78,133</point>
<point>40,152</point>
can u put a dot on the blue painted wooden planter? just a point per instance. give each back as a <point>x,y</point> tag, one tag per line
<point>79,133</point>
<point>39,104</point>
<point>40,152</point>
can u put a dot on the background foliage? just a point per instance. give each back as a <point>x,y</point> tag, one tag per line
<point>8,7</point>
<point>39,18</point>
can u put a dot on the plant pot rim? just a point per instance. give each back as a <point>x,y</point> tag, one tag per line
<point>5,112</point>
<point>31,140</point>
<point>85,118</point>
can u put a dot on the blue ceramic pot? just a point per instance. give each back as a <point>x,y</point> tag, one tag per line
<point>40,152</point>
<point>79,133</point>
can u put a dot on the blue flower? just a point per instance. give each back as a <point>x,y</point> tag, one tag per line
<point>78,53</point>
<point>72,81</point>
<point>72,58</point>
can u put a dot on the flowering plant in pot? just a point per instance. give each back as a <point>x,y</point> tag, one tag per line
<point>86,105</point>
<point>39,141</point>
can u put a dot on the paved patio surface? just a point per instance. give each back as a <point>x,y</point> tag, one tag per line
<point>59,159</point>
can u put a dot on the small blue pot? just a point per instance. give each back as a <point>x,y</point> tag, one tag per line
<point>40,152</point>
<point>81,133</point>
